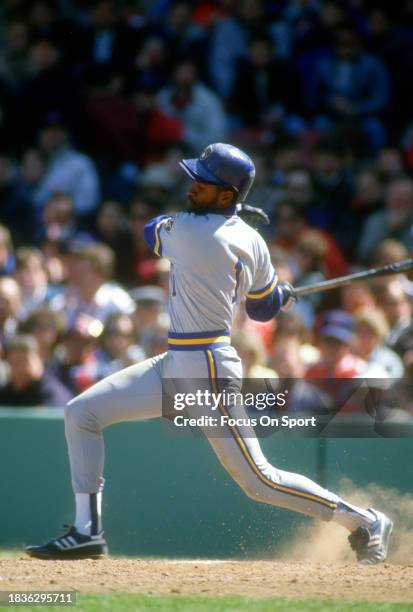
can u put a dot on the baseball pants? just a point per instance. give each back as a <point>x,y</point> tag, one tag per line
<point>136,393</point>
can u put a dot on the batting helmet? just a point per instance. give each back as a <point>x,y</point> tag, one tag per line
<point>222,164</point>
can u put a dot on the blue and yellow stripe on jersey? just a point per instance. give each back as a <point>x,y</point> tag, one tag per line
<point>151,232</point>
<point>197,341</point>
<point>236,434</point>
<point>262,293</point>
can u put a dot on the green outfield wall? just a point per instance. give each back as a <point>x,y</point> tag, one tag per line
<point>167,495</point>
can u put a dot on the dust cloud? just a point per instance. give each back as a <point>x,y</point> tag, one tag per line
<point>325,543</point>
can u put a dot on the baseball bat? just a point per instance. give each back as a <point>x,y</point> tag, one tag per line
<point>341,281</point>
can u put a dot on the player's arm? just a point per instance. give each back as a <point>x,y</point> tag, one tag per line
<point>268,296</point>
<point>263,305</point>
<point>154,233</point>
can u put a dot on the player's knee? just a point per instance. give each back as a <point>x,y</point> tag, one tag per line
<point>78,415</point>
<point>73,412</point>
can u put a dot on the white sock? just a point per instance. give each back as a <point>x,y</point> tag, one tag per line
<point>351,516</point>
<point>88,519</point>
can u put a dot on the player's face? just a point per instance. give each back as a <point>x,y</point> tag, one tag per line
<point>203,196</point>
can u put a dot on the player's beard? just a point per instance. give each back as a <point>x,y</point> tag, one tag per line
<point>194,206</point>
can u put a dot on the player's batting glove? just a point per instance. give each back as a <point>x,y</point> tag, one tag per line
<point>252,215</point>
<point>289,297</point>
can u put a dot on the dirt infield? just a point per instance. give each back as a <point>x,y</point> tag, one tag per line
<point>386,582</point>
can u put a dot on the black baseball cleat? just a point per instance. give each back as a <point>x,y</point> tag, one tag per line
<point>371,543</point>
<point>71,545</point>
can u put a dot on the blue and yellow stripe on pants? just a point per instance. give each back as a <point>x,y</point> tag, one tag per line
<point>198,341</point>
<point>212,372</point>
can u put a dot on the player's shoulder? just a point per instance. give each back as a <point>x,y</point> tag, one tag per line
<point>251,234</point>
<point>197,221</point>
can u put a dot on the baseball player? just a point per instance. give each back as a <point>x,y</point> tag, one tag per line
<point>216,260</point>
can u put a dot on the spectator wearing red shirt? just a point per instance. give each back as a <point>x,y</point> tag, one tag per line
<point>337,360</point>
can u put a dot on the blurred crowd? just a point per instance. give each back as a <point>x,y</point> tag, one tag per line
<point>99,100</point>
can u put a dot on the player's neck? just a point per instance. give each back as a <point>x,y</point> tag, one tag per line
<point>226,212</point>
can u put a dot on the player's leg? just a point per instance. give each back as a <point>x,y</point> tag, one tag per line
<point>131,394</point>
<point>240,453</point>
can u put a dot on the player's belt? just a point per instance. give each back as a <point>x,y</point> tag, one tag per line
<point>198,341</point>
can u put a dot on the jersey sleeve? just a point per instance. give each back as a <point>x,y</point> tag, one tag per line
<point>161,235</point>
<point>265,298</point>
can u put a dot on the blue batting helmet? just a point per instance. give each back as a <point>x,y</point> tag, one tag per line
<point>222,164</point>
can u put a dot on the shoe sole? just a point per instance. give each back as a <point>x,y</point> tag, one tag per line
<point>64,557</point>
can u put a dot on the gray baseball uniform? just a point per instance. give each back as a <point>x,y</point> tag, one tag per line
<point>216,260</point>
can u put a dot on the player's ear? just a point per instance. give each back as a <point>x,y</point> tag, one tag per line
<point>227,197</point>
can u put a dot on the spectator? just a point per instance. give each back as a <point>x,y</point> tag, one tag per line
<point>150,316</point>
<point>338,363</point>
<point>107,42</point>
<point>299,188</point>
<point>394,301</point>
<point>337,358</point>
<point>333,193</point>
<point>112,230</point>
<point>357,296</point>
<point>46,326</point>
<point>58,222</point>
<point>68,170</point>
<point>14,65</point>
<point>262,329</point>
<point>48,20</point>
<point>90,290</point>
<point>144,262</point>
<point>290,224</point>
<point>265,88</point>
<point>395,221</point>
<point>352,87</point>
<point>290,329</point>
<point>389,251</point>
<point>153,64</point>
<point>13,212</point>
<point>287,358</point>
<point>7,261</point>
<point>32,169</point>
<point>157,183</point>
<point>371,332</point>
<point>9,308</point>
<point>390,165</point>
<point>29,383</point>
<point>51,88</point>
<point>309,254</point>
<point>117,348</point>
<point>157,343</point>
<point>368,198</point>
<point>263,193</point>
<point>228,42</point>
<point>76,363</point>
<point>389,37</point>
<point>31,275</point>
<point>286,155</point>
<point>183,36</point>
<point>251,350</point>
<point>126,127</point>
<point>197,107</point>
